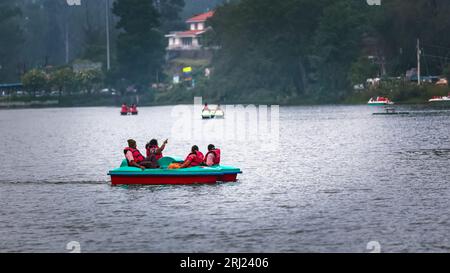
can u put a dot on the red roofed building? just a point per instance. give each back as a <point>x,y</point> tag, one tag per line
<point>190,39</point>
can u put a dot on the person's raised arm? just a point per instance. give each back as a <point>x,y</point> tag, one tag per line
<point>163,146</point>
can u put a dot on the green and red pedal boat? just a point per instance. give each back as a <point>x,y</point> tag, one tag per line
<point>126,175</point>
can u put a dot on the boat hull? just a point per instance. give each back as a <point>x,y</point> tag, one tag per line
<point>126,175</point>
<point>162,180</point>
<point>379,103</point>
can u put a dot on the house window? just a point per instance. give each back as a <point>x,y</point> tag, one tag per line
<point>192,26</point>
<point>200,26</point>
<point>187,41</point>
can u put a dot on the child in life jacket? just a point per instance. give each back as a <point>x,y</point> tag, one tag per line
<point>154,150</point>
<point>195,158</point>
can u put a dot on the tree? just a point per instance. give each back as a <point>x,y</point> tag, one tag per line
<point>169,11</point>
<point>34,80</point>
<point>140,46</point>
<point>292,47</point>
<point>446,72</point>
<point>10,40</point>
<point>90,79</point>
<point>63,80</point>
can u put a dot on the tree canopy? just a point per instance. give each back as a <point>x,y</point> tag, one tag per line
<point>317,48</point>
<point>10,40</point>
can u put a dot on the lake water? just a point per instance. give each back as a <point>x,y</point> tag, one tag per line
<point>338,179</point>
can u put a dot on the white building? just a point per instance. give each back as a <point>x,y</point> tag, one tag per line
<point>190,39</point>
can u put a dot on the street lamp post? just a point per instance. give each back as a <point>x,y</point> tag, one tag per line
<point>108,46</point>
<point>108,49</point>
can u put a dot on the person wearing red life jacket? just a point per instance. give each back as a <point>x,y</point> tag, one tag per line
<point>133,156</point>
<point>124,109</point>
<point>195,158</point>
<point>213,156</point>
<point>154,150</point>
<point>133,109</point>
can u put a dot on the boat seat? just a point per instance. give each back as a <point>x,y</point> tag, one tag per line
<point>166,161</point>
<point>163,162</point>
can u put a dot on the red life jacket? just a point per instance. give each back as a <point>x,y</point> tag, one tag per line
<point>134,109</point>
<point>149,153</point>
<point>124,109</point>
<point>195,158</point>
<point>138,157</point>
<point>216,153</point>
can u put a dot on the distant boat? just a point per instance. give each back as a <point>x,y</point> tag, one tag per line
<point>380,101</point>
<point>207,114</point>
<point>213,114</point>
<point>440,99</point>
<point>219,114</point>
<point>390,111</point>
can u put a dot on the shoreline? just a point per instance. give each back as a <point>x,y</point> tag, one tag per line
<point>23,105</point>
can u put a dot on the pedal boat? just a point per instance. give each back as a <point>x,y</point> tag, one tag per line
<point>380,101</point>
<point>126,175</point>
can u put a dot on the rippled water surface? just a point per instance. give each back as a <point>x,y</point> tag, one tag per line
<point>339,179</point>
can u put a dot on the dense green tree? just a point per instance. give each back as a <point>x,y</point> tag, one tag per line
<point>401,22</point>
<point>89,80</point>
<point>169,11</point>
<point>268,45</point>
<point>34,80</point>
<point>140,47</point>
<point>64,80</point>
<point>10,41</point>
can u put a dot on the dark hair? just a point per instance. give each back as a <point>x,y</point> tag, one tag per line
<point>211,147</point>
<point>194,148</point>
<point>152,142</point>
<point>131,142</point>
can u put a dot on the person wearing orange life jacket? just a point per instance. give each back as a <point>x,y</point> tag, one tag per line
<point>195,158</point>
<point>154,150</point>
<point>213,156</point>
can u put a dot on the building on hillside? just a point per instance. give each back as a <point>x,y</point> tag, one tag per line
<point>191,39</point>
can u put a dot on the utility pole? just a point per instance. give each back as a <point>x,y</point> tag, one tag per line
<point>108,48</point>
<point>67,42</point>
<point>419,52</point>
<point>70,3</point>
